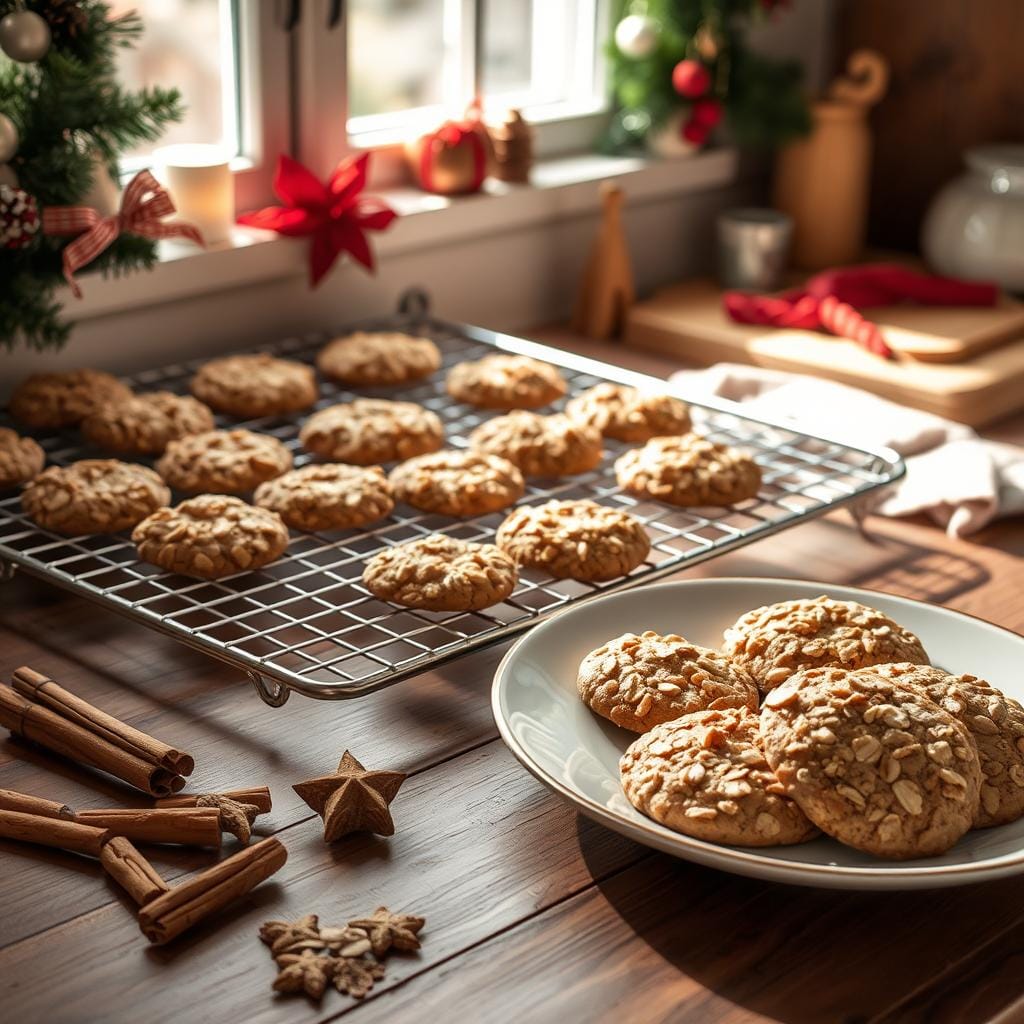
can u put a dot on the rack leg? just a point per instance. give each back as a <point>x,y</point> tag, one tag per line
<point>274,694</point>
<point>7,571</point>
<point>414,302</point>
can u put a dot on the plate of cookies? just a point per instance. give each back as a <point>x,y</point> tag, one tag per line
<point>788,730</point>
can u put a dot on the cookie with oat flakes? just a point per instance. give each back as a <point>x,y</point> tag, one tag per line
<point>627,414</point>
<point>223,461</point>
<point>49,401</point>
<point>378,358</point>
<point>328,496</point>
<point>640,681</point>
<point>505,381</point>
<point>872,762</point>
<point>457,483</point>
<point>145,424</point>
<point>705,775</point>
<point>372,430</point>
<point>255,384</point>
<point>21,459</point>
<point>548,446</point>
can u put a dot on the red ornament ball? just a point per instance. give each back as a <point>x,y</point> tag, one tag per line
<point>19,218</point>
<point>696,133</point>
<point>707,111</point>
<point>691,79</point>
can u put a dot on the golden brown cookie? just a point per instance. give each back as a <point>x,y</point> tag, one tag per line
<point>49,401</point>
<point>688,470</point>
<point>224,461</point>
<point>577,539</point>
<point>503,381</point>
<point>328,496</point>
<point>457,483</point>
<point>627,414</point>
<point>93,496</point>
<point>255,384</point>
<point>777,640</point>
<point>441,574</point>
<point>21,459</point>
<point>371,430</point>
<point>210,537</point>
<point>640,681</point>
<point>540,445</point>
<point>378,358</point>
<point>705,775</point>
<point>994,720</point>
<point>872,762</point>
<point>145,424</point>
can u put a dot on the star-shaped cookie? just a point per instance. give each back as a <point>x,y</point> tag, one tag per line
<point>353,799</point>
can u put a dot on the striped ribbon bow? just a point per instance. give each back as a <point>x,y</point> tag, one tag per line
<point>144,203</point>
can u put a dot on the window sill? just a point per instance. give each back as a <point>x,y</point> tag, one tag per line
<point>561,188</point>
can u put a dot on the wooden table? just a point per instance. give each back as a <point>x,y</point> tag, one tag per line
<point>533,913</point>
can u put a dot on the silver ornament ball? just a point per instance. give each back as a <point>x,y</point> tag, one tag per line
<point>24,36</point>
<point>8,139</point>
<point>636,36</point>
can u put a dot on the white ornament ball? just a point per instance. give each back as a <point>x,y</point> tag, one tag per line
<point>7,176</point>
<point>636,36</point>
<point>667,139</point>
<point>24,36</point>
<point>8,139</point>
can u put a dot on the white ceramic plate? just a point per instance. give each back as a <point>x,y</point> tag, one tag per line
<point>576,753</point>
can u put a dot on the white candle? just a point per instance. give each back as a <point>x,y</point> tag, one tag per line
<point>198,178</point>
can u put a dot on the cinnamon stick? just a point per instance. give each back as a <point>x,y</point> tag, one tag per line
<point>43,690</point>
<point>259,796</point>
<point>41,725</point>
<point>65,835</point>
<point>169,915</point>
<point>186,826</point>
<point>10,800</point>
<point>132,871</point>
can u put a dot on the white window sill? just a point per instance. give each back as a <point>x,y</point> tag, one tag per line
<point>560,188</point>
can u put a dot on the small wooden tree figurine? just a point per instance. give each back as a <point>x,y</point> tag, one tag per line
<point>606,292</point>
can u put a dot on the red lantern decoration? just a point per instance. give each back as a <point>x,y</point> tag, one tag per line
<point>691,79</point>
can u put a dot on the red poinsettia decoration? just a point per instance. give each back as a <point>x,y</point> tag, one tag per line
<point>336,214</point>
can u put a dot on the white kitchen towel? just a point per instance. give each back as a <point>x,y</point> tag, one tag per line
<point>959,479</point>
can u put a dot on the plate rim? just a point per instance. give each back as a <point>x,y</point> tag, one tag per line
<point>731,858</point>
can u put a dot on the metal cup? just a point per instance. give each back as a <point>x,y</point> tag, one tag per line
<point>753,248</point>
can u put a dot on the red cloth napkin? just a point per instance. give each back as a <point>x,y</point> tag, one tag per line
<point>830,301</point>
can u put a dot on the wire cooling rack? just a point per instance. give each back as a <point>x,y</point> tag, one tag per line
<point>306,622</point>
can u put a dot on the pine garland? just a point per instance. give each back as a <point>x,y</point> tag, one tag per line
<point>68,108</point>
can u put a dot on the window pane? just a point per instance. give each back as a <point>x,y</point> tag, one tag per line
<point>508,45</point>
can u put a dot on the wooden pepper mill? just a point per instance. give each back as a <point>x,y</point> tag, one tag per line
<point>513,148</point>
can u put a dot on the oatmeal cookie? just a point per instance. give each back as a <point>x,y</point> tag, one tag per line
<point>580,540</point>
<point>638,682</point>
<point>49,401</point>
<point>441,574</point>
<point>688,470</point>
<point>777,640</point>
<point>371,430</point>
<point>457,483</point>
<point>224,461</point>
<point>210,537</point>
<point>145,424</point>
<point>504,381</point>
<point>21,459</point>
<point>705,775</point>
<point>93,496</point>
<point>627,414</point>
<point>540,445</point>
<point>994,720</point>
<point>378,357</point>
<point>328,496</point>
<point>871,761</point>
<point>255,384</point>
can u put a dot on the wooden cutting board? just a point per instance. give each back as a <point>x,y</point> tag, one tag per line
<point>986,383</point>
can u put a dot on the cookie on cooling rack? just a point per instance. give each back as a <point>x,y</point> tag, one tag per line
<point>378,358</point>
<point>372,430</point>
<point>93,496</point>
<point>872,762</point>
<point>145,424</point>
<point>457,483</point>
<point>21,459</point>
<point>688,470</point>
<point>441,574</point>
<point>503,381</point>
<point>640,681</point>
<point>575,539</point>
<point>775,641</point>
<point>328,496</point>
<point>210,537</point>
<point>705,775</point>
<point>548,446</point>
<point>49,401</point>
<point>224,461</point>
<point>255,384</point>
<point>627,414</point>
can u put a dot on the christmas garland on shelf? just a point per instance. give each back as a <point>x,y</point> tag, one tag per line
<point>680,67</point>
<point>64,120</point>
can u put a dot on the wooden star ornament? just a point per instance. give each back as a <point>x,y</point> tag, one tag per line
<point>353,799</point>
